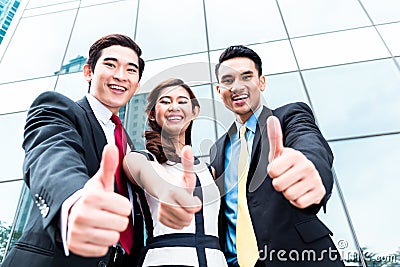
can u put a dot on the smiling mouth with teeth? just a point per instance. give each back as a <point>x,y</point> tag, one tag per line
<point>117,87</point>
<point>175,118</point>
<point>240,97</point>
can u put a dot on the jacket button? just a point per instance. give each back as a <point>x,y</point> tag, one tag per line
<point>44,210</point>
<point>101,264</point>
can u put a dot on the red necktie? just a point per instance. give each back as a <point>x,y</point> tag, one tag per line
<point>126,237</point>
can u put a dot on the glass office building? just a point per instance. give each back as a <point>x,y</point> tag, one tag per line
<point>341,57</point>
<point>8,9</point>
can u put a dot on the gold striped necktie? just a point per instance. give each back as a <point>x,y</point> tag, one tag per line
<point>246,244</point>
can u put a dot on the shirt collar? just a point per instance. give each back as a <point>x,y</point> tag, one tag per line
<point>251,122</point>
<point>102,113</point>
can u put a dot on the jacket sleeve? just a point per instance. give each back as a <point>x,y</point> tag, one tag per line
<point>54,165</point>
<point>301,133</point>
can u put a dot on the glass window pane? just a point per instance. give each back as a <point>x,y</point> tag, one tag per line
<point>13,155</point>
<point>13,25</point>
<point>283,89</point>
<point>50,9</point>
<point>382,11</point>
<point>232,22</point>
<point>85,3</point>
<point>32,55</point>
<point>335,219</point>
<point>390,34</point>
<point>40,3</point>
<point>24,210</point>
<point>315,16</point>
<point>9,193</point>
<point>193,69</point>
<point>72,85</point>
<point>356,99</point>
<point>84,34</point>
<point>136,119</point>
<point>339,48</point>
<point>181,31</point>
<point>368,173</point>
<point>277,57</point>
<point>203,131</point>
<point>23,93</point>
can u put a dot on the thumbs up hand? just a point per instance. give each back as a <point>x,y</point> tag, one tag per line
<point>100,214</point>
<point>189,177</point>
<point>291,172</point>
<point>178,205</point>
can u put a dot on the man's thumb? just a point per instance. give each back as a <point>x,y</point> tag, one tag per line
<point>188,173</point>
<point>275,138</point>
<point>108,166</point>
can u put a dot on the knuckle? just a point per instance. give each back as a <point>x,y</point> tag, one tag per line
<point>289,195</point>
<point>186,220</point>
<point>271,172</point>
<point>303,202</point>
<point>277,185</point>
<point>89,197</point>
<point>170,193</point>
<point>76,219</point>
<point>74,247</point>
<point>127,207</point>
<point>114,237</point>
<point>124,221</point>
<point>102,252</point>
<point>302,205</point>
<point>295,152</point>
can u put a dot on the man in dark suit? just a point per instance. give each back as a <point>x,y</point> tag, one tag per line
<point>77,217</point>
<point>289,173</point>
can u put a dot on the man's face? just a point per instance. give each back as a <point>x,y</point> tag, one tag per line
<point>240,86</point>
<point>115,78</point>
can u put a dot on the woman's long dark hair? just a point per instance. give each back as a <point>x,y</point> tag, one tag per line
<point>166,151</point>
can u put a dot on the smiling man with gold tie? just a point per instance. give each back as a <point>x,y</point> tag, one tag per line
<point>286,179</point>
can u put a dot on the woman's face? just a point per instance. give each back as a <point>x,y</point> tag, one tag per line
<point>173,110</point>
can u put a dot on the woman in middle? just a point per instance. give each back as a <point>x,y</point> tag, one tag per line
<point>171,109</point>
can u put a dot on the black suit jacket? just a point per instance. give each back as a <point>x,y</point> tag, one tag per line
<point>63,143</point>
<point>278,225</point>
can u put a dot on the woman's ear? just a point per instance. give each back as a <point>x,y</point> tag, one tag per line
<point>150,115</point>
<point>196,111</point>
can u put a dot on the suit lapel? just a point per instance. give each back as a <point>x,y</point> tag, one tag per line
<point>99,138</point>
<point>260,151</point>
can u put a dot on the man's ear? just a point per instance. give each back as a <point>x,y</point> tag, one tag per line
<point>218,89</point>
<point>87,72</point>
<point>263,82</point>
<point>137,88</point>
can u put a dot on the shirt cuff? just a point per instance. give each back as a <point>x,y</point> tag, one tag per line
<point>66,206</point>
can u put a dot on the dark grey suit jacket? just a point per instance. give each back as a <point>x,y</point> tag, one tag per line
<point>63,143</point>
<point>278,225</point>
